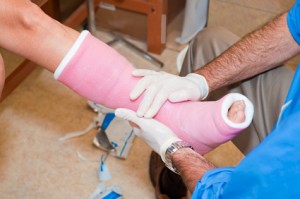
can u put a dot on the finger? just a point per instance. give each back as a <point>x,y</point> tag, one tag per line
<point>184,95</point>
<point>127,114</point>
<point>150,93</point>
<point>140,87</point>
<point>159,100</point>
<point>179,96</point>
<point>143,72</point>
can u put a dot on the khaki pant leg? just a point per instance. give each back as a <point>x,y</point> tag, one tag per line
<point>267,91</point>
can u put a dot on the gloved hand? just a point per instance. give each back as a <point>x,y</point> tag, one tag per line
<point>158,136</point>
<point>162,86</point>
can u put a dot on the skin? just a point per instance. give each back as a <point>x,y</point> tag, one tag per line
<point>40,33</point>
<point>260,51</point>
<point>192,168</point>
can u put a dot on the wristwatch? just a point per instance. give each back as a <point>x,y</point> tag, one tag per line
<point>171,150</point>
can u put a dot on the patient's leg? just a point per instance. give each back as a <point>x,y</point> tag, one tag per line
<point>99,73</point>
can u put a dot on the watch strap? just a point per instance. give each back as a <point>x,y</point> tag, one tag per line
<point>175,146</point>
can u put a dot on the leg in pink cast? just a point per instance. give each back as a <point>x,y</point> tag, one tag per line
<point>100,74</point>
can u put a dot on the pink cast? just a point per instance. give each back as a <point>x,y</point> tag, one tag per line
<point>100,74</point>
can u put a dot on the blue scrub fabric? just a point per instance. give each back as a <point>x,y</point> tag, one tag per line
<point>212,184</point>
<point>293,21</point>
<point>272,170</point>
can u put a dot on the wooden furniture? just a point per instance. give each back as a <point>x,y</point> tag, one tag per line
<point>117,38</point>
<point>156,12</point>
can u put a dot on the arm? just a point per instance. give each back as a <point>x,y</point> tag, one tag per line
<point>26,30</point>
<point>261,50</point>
<point>191,165</point>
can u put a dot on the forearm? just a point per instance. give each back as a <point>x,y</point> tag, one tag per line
<point>191,165</point>
<point>261,50</point>
<point>29,32</point>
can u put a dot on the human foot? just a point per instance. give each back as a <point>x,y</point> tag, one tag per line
<point>236,112</point>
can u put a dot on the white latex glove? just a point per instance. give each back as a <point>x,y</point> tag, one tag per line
<point>158,136</point>
<point>161,86</point>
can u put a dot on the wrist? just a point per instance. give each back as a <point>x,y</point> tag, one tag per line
<point>171,150</point>
<point>201,83</point>
<point>179,159</point>
<point>191,165</point>
<point>164,147</point>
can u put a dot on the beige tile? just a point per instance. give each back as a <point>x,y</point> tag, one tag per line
<point>174,31</point>
<point>274,6</point>
<point>33,164</point>
<point>225,155</point>
<point>240,20</point>
<point>11,61</point>
<point>293,63</point>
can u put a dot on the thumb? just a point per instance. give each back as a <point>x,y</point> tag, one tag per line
<point>128,114</point>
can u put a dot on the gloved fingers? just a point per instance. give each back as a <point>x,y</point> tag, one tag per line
<point>151,130</point>
<point>145,104</point>
<point>184,95</point>
<point>140,87</point>
<point>143,72</point>
<point>144,123</point>
<point>129,115</point>
<point>160,98</point>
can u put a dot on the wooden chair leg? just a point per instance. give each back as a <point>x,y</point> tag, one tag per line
<point>157,29</point>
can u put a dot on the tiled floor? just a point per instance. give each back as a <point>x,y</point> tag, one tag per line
<point>33,164</point>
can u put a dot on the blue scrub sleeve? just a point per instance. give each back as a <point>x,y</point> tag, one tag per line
<point>293,21</point>
<point>272,169</point>
<point>212,183</point>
